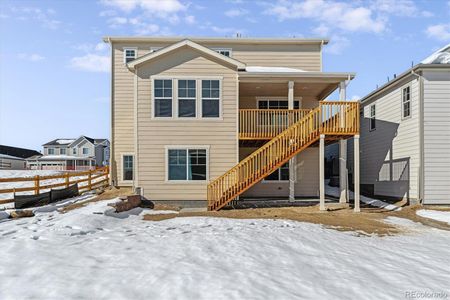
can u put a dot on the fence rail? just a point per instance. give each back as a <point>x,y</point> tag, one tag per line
<point>90,177</point>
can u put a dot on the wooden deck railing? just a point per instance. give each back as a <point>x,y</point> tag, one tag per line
<point>91,178</point>
<point>327,118</point>
<point>265,124</point>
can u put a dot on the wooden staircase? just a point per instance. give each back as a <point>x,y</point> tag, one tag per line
<point>337,119</point>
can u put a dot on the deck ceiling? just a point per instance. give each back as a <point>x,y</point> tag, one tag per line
<point>319,90</point>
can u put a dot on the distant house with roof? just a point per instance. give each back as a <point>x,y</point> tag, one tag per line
<point>14,158</point>
<point>80,153</point>
<point>405,134</point>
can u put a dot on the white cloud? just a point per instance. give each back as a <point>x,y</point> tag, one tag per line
<point>236,12</point>
<point>30,57</point>
<point>190,19</point>
<point>107,13</point>
<point>337,45</point>
<point>152,6</point>
<point>116,22</point>
<point>407,8</point>
<point>321,30</point>
<point>355,98</point>
<point>342,15</point>
<point>91,63</point>
<point>32,13</point>
<point>440,32</point>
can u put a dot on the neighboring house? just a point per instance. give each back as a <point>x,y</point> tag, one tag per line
<point>405,134</point>
<point>191,118</point>
<point>13,158</point>
<point>72,154</point>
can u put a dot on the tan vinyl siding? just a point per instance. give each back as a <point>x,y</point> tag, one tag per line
<point>155,134</point>
<point>307,177</point>
<point>386,150</point>
<point>306,57</point>
<point>436,137</point>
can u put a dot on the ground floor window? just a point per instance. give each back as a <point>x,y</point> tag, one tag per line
<point>187,164</point>
<point>128,167</point>
<point>281,174</point>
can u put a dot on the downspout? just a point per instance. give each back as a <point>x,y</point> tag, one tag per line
<point>112,174</point>
<point>421,171</point>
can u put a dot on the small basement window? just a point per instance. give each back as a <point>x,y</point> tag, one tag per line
<point>187,164</point>
<point>129,54</point>
<point>127,167</point>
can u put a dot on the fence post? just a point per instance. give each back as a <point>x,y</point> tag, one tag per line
<point>36,185</point>
<point>67,179</point>
<point>90,180</point>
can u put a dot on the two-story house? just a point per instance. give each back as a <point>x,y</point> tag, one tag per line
<point>72,154</point>
<point>203,121</point>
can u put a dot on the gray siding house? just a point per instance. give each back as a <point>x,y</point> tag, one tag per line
<point>405,135</point>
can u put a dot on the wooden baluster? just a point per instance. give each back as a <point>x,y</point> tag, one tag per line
<point>66,176</point>
<point>36,185</point>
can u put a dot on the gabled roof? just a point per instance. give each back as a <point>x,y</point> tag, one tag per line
<point>17,152</point>
<point>83,137</point>
<point>185,43</point>
<point>59,142</point>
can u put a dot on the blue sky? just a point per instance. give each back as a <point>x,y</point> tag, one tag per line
<point>54,68</point>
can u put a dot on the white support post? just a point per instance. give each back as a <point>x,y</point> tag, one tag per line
<point>356,172</point>
<point>322,172</point>
<point>343,184</point>
<point>292,161</point>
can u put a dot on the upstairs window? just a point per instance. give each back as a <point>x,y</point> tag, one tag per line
<point>51,151</point>
<point>276,104</point>
<point>62,151</point>
<point>373,116</point>
<point>406,102</point>
<point>129,54</point>
<point>186,98</point>
<point>74,151</point>
<point>224,51</point>
<point>85,151</point>
<point>163,97</point>
<point>210,98</point>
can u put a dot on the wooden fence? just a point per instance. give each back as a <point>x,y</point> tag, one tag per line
<point>90,177</point>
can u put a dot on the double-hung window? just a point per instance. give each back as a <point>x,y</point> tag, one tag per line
<point>85,151</point>
<point>129,54</point>
<point>210,98</point>
<point>406,102</point>
<point>163,97</point>
<point>51,151</point>
<point>373,117</point>
<point>187,164</point>
<point>62,151</point>
<point>186,98</point>
<point>127,167</point>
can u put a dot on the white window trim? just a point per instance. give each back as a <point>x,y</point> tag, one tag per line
<point>48,151</point>
<point>272,98</point>
<point>370,117</point>
<point>264,181</point>
<point>60,153</point>
<point>185,147</point>
<point>121,167</point>
<point>198,91</point>
<point>174,93</point>
<point>124,53</point>
<point>224,49</point>
<point>82,151</point>
<point>410,100</point>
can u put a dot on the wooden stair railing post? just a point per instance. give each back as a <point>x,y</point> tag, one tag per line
<point>66,179</point>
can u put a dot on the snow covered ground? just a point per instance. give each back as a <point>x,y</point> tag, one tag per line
<point>85,254</point>
<point>443,216</point>
<point>32,173</point>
